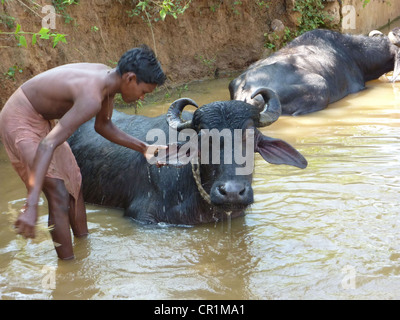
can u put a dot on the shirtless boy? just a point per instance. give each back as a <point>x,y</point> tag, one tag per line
<point>37,146</point>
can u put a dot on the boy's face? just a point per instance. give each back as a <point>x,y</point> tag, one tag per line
<point>131,91</point>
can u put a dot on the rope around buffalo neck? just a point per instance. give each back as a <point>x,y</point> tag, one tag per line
<point>203,193</point>
<point>197,178</point>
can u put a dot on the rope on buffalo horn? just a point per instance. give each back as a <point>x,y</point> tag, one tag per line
<point>197,178</point>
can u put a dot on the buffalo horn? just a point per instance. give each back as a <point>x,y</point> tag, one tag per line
<point>174,114</point>
<point>272,110</point>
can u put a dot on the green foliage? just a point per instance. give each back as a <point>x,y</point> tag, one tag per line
<point>7,20</point>
<point>365,2</point>
<point>156,10</point>
<point>210,63</point>
<point>215,6</point>
<point>11,72</point>
<point>61,8</point>
<point>69,2</point>
<point>21,36</point>
<point>24,38</point>
<point>264,4</point>
<point>42,34</point>
<point>182,89</point>
<point>235,5</point>
<point>312,17</point>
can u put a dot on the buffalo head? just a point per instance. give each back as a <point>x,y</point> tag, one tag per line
<point>230,127</point>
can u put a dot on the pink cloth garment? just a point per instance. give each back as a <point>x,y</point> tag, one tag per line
<point>22,128</point>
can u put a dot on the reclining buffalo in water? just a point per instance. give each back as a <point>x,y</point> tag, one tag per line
<point>192,193</point>
<point>318,68</point>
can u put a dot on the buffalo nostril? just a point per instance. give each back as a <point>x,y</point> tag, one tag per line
<point>231,190</point>
<point>222,190</point>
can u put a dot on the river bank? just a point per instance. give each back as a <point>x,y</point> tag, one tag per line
<point>210,39</point>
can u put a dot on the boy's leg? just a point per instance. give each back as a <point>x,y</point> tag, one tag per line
<point>77,216</point>
<point>58,200</point>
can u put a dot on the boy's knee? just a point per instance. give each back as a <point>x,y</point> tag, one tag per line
<point>56,194</point>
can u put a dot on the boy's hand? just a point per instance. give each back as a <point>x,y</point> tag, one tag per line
<point>164,155</point>
<point>26,221</point>
<point>152,152</point>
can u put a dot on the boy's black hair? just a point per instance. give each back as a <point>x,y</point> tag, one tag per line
<point>143,62</point>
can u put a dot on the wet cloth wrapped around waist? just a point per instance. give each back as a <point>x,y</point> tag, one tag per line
<point>22,128</point>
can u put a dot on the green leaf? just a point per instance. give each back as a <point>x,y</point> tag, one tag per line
<point>34,39</point>
<point>142,4</point>
<point>163,14</point>
<point>22,41</point>
<point>18,29</point>
<point>59,37</point>
<point>44,33</point>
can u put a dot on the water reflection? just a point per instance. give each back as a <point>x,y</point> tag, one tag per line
<point>299,240</point>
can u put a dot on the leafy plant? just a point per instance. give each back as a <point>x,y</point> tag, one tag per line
<point>154,10</point>
<point>234,7</point>
<point>42,34</point>
<point>11,72</point>
<point>312,17</point>
<point>7,20</point>
<point>215,7</point>
<point>21,36</point>
<point>182,89</point>
<point>365,2</point>
<point>61,8</point>
<point>157,10</point>
<point>264,4</point>
<point>210,63</point>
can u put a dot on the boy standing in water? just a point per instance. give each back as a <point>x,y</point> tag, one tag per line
<point>37,146</point>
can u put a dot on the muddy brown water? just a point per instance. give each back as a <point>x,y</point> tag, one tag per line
<point>331,231</point>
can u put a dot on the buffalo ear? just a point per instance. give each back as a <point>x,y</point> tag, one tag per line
<point>277,151</point>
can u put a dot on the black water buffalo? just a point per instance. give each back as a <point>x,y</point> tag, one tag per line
<point>318,68</point>
<point>189,194</point>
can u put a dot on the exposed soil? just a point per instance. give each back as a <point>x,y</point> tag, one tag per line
<point>201,43</point>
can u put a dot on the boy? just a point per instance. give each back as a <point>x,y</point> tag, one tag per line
<point>37,146</point>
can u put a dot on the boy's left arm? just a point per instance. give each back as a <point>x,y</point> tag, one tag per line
<point>105,127</point>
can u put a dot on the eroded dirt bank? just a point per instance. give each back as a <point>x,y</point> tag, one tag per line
<point>210,38</point>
